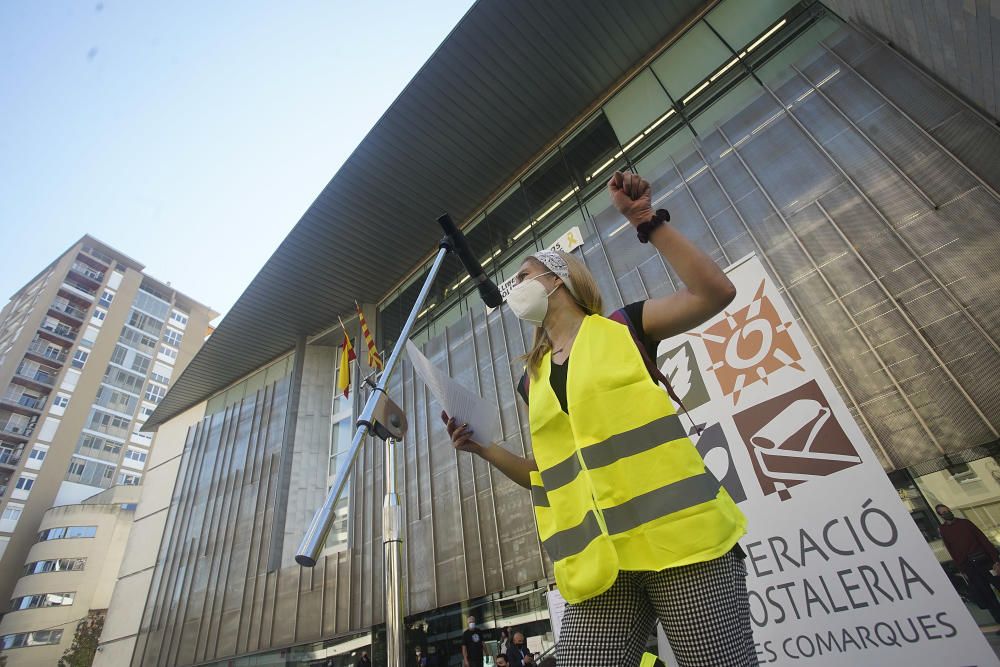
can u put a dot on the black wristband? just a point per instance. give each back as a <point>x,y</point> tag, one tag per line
<point>642,231</point>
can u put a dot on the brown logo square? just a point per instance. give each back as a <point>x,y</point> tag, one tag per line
<point>794,438</point>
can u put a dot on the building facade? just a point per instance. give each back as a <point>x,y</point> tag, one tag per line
<point>68,575</point>
<point>868,188</point>
<point>87,350</point>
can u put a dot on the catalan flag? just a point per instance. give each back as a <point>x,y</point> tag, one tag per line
<point>374,360</point>
<point>346,357</point>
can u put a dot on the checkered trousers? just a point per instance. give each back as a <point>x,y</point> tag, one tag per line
<point>703,608</point>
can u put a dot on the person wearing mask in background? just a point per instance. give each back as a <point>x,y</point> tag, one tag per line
<point>518,654</point>
<point>974,555</point>
<point>472,645</point>
<point>638,530</point>
<point>501,660</point>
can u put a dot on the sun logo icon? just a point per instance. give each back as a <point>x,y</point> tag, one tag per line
<point>749,345</point>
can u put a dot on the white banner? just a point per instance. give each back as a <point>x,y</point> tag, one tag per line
<point>838,572</point>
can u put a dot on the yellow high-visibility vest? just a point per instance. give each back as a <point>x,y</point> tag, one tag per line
<point>619,485</point>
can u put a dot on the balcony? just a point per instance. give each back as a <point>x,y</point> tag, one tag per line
<point>42,351</point>
<point>60,333</point>
<point>42,377</point>
<point>87,272</point>
<point>77,286</point>
<point>10,456</point>
<point>16,400</point>
<point>67,313</point>
<point>16,431</point>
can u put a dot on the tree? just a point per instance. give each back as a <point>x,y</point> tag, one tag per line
<point>88,631</point>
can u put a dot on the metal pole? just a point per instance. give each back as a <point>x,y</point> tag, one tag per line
<point>392,547</point>
<point>315,535</point>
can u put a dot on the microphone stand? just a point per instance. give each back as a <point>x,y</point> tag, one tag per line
<point>382,417</point>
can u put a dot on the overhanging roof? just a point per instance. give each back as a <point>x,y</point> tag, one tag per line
<point>508,79</point>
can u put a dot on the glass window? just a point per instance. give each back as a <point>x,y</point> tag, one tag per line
<point>37,454</point>
<point>691,60</point>
<point>99,314</point>
<point>173,337</point>
<point>80,358</point>
<point>42,600</point>
<point>55,565</point>
<point>106,298</point>
<point>36,638</point>
<point>128,479</point>
<point>636,106</point>
<point>24,483</point>
<point>740,22</point>
<point>167,352</point>
<point>591,150</point>
<point>60,401</point>
<point>154,393</point>
<point>12,512</point>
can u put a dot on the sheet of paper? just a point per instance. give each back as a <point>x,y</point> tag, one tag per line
<point>457,401</point>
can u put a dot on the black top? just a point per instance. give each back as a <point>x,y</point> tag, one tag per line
<point>515,655</point>
<point>558,372</point>
<point>472,640</point>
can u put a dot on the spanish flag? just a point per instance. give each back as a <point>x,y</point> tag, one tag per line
<point>374,360</point>
<point>346,357</point>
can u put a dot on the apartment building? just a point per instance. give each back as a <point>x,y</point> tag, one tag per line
<point>88,347</point>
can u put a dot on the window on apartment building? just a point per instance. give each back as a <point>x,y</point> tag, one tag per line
<point>12,513</point>
<point>35,638</point>
<point>66,533</point>
<point>140,363</point>
<point>154,393</point>
<point>173,337</point>
<point>136,455</point>
<point>128,479</point>
<point>80,358</point>
<point>167,352</point>
<point>37,454</point>
<point>55,565</point>
<point>106,298</point>
<point>24,483</point>
<point>42,600</point>
<point>99,314</point>
<point>60,401</point>
<point>180,318</point>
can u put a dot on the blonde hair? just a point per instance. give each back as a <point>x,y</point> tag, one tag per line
<point>587,297</point>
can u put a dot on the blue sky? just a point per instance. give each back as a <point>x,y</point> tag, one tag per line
<point>189,135</point>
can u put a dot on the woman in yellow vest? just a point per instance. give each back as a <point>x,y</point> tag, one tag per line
<point>637,529</point>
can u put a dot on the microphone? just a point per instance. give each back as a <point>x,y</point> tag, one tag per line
<point>487,288</point>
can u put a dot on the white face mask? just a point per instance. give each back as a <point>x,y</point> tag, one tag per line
<point>529,301</point>
<point>472,626</point>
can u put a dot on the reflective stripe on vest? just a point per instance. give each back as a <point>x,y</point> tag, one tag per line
<point>573,540</point>
<point>632,514</point>
<point>615,448</point>
<point>630,443</point>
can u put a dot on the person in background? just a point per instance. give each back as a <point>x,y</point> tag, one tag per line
<point>501,660</point>
<point>518,654</point>
<point>504,642</point>
<point>472,645</point>
<point>363,661</point>
<point>974,556</point>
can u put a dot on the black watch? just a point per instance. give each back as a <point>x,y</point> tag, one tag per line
<point>642,231</point>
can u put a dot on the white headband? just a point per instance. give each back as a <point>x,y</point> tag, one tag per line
<point>554,262</point>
